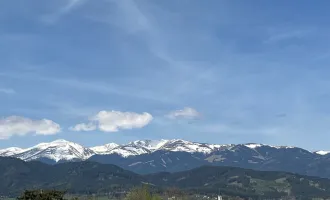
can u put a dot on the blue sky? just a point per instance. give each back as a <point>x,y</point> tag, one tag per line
<point>215,71</point>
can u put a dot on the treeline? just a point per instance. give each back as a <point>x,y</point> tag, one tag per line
<point>137,193</point>
<point>88,178</point>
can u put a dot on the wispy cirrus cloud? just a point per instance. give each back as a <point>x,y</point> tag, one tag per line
<point>57,14</point>
<point>108,88</point>
<point>97,86</point>
<point>185,113</point>
<point>7,91</point>
<point>281,34</point>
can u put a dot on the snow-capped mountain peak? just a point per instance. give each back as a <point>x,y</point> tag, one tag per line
<point>56,150</point>
<point>65,150</point>
<point>59,142</point>
<point>139,147</point>
<point>134,148</point>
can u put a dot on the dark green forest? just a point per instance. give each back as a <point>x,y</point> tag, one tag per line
<point>87,178</point>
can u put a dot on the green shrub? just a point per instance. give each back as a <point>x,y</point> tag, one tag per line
<point>141,193</point>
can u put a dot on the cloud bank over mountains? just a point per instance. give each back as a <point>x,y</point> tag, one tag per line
<point>104,121</point>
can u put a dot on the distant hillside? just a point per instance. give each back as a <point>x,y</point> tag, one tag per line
<point>244,182</point>
<point>90,177</point>
<point>264,158</point>
<point>76,177</point>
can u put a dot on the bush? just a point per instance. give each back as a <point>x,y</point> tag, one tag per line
<point>43,195</point>
<point>141,193</point>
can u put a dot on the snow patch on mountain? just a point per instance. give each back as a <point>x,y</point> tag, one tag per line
<point>130,150</point>
<point>149,144</point>
<point>252,145</point>
<point>11,151</point>
<point>187,146</point>
<point>322,152</point>
<point>104,149</point>
<point>255,145</point>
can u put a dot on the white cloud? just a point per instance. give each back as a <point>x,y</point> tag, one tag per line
<point>7,91</point>
<point>16,125</point>
<point>113,121</point>
<point>84,127</point>
<point>186,113</point>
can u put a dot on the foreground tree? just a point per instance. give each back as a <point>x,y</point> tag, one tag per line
<point>42,195</point>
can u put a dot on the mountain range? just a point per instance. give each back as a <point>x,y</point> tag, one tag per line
<point>150,156</point>
<point>90,177</point>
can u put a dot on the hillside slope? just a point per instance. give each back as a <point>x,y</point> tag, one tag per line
<point>90,177</point>
<point>263,158</point>
<point>76,177</point>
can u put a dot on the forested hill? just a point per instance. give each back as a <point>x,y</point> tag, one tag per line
<point>89,177</point>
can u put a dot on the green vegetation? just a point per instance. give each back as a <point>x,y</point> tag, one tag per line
<point>137,193</point>
<point>140,193</point>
